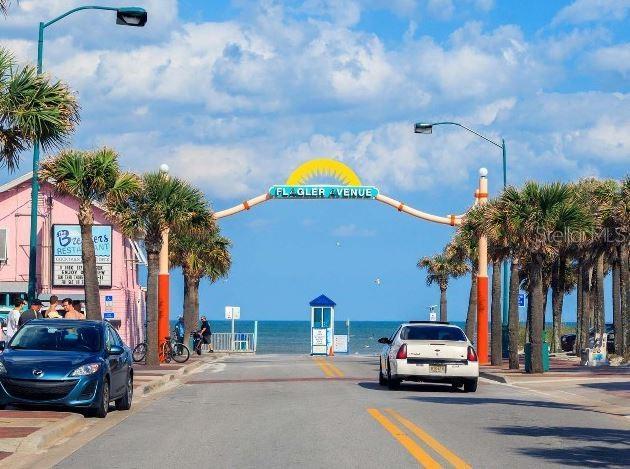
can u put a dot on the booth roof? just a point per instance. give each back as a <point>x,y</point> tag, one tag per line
<point>322,300</point>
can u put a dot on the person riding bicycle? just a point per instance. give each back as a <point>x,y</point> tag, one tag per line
<point>179,330</point>
<point>206,333</point>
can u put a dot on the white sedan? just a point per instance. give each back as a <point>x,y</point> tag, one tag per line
<point>428,351</point>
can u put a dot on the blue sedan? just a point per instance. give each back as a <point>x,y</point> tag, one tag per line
<point>72,363</point>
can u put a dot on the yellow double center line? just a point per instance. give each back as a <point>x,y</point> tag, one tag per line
<point>411,445</point>
<point>330,370</point>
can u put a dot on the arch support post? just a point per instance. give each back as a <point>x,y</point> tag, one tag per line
<point>482,278</point>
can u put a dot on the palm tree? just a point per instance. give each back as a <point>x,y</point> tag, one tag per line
<point>91,177</point>
<point>463,248</point>
<point>440,268</point>
<point>201,252</point>
<point>540,216</point>
<point>162,203</point>
<point>32,108</point>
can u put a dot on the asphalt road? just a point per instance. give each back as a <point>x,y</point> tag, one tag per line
<point>297,411</point>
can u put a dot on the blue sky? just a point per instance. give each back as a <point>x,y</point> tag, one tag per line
<point>234,95</point>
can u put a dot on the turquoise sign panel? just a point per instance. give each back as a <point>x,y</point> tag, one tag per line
<point>323,192</point>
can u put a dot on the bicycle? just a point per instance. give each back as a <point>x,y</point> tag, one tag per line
<point>173,350</point>
<point>170,350</point>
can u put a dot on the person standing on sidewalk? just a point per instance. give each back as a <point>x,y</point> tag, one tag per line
<point>71,313</point>
<point>34,312</point>
<point>13,318</point>
<point>51,312</point>
<point>180,330</point>
<point>206,333</point>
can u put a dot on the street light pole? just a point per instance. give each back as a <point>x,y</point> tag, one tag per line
<point>427,128</point>
<point>128,16</point>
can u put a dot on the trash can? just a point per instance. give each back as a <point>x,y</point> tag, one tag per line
<point>528,356</point>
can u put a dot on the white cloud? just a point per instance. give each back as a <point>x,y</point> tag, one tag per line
<point>612,59</point>
<point>584,11</point>
<point>352,230</point>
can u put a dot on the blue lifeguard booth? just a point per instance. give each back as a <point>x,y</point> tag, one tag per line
<point>322,325</point>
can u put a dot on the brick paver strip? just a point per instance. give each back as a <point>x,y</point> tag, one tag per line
<point>4,454</point>
<point>16,432</point>
<point>33,414</point>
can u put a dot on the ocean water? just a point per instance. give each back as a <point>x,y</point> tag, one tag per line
<point>293,337</point>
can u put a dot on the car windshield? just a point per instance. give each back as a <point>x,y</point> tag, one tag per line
<point>63,338</point>
<point>432,333</point>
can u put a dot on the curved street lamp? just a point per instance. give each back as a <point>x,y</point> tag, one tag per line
<point>427,128</point>
<point>127,16</point>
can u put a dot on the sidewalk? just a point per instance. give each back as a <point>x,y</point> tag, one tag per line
<point>24,431</point>
<point>602,389</point>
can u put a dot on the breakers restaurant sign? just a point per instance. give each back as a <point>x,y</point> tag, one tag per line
<point>67,265</point>
<point>322,192</point>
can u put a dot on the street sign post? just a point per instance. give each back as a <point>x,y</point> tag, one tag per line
<point>233,313</point>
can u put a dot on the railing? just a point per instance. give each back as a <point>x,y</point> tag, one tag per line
<point>237,342</point>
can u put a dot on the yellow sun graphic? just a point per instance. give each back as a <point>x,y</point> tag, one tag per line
<point>323,167</point>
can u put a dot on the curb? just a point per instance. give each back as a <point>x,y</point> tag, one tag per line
<point>159,383</point>
<point>494,377</point>
<point>49,434</point>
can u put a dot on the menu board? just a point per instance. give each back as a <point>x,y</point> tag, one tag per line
<point>67,265</point>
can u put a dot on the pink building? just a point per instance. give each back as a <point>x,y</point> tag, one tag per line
<point>59,270</point>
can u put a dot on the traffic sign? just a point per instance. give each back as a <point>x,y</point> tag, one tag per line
<point>109,300</point>
<point>108,315</point>
<point>232,312</point>
<point>521,299</point>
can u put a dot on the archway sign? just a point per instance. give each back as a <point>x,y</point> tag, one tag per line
<point>300,185</point>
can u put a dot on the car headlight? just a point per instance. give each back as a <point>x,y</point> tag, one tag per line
<point>3,370</point>
<point>86,370</point>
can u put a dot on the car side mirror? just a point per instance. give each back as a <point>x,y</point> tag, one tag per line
<point>3,345</point>
<point>116,350</point>
<point>384,340</point>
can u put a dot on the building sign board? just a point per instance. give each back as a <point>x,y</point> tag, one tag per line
<point>319,337</point>
<point>323,192</point>
<point>67,265</point>
<point>341,344</point>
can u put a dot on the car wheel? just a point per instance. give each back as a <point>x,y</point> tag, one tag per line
<point>124,403</point>
<point>103,406</point>
<point>391,382</point>
<point>456,385</point>
<point>381,378</point>
<point>470,385</point>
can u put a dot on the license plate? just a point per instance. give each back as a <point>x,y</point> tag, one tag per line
<point>437,368</point>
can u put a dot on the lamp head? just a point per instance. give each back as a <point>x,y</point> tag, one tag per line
<point>131,16</point>
<point>423,128</point>
<point>164,168</point>
<point>483,172</point>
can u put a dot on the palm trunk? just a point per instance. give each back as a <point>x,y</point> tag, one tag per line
<point>153,268</point>
<point>513,323</point>
<point>616,304</point>
<point>578,310</point>
<point>558,279</point>
<point>537,316</point>
<point>528,320</point>
<point>443,310</point>
<point>599,311</point>
<point>496,353</point>
<point>585,310</point>
<point>471,315</point>
<point>191,303</point>
<point>88,258</point>
<point>624,280</point>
